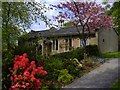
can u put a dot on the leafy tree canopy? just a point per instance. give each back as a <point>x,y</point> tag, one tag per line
<point>115,12</point>
<point>17,17</point>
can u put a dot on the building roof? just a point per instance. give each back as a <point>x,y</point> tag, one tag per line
<point>53,32</point>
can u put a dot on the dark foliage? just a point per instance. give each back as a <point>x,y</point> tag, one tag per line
<point>92,50</point>
<point>77,53</point>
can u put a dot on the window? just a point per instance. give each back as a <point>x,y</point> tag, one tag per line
<point>103,40</point>
<point>53,44</point>
<point>56,44</point>
<point>81,42</point>
<point>70,44</point>
<point>87,41</point>
<point>66,44</point>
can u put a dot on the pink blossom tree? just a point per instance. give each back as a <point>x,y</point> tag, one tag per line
<point>88,15</point>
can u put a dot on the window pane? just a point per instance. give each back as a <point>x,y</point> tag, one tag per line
<point>53,44</point>
<point>81,42</point>
<point>66,44</point>
<point>87,41</point>
<point>56,44</point>
<point>70,44</point>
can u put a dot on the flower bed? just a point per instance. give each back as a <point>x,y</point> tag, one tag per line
<point>25,75</point>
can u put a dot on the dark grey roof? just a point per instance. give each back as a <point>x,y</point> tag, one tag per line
<point>65,31</point>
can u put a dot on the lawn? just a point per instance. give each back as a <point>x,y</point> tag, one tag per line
<point>111,55</point>
<point>116,85</point>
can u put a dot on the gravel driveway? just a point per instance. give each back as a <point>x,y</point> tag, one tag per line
<point>101,77</point>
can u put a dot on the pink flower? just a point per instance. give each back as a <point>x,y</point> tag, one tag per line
<point>12,87</point>
<point>23,82</point>
<point>33,78</point>
<point>15,67</point>
<point>32,63</point>
<point>26,60</point>
<point>26,73</point>
<point>33,73</point>
<point>27,84</point>
<point>44,73</point>
<point>36,71</point>
<point>38,82</point>
<point>24,55</point>
<point>17,85</point>
<point>9,68</point>
<point>23,86</point>
<point>11,78</point>
<point>40,68</point>
<point>20,77</point>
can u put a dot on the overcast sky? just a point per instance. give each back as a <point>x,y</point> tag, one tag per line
<point>50,13</point>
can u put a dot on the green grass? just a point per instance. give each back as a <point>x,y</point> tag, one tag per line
<point>116,85</point>
<point>111,55</point>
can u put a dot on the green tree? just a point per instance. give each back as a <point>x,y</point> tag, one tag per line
<point>115,12</point>
<point>17,17</point>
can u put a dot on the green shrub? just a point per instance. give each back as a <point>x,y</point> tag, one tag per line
<point>77,53</point>
<point>44,87</point>
<point>73,68</point>
<point>53,65</point>
<point>64,77</point>
<point>7,61</point>
<point>92,50</point>
<point>51,85</point>
<point>30,50</point>
<point>55,86</point>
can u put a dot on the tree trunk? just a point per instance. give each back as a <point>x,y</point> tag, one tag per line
<point>7,29</point>
<point>84,48</point>
<point>83,34</point>
<point>84,43</point>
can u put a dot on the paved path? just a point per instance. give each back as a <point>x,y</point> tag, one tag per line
<point>101,77</point>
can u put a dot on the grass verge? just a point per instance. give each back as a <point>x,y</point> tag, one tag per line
<point>111,55</point>
<point>116,85</point>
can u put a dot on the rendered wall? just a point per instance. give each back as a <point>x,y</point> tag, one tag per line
<point>107,41</point>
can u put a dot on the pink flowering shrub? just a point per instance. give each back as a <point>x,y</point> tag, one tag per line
<point>26,75</point>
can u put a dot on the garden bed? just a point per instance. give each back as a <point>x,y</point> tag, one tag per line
<point>61,69</point>
<point>70,71</point>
